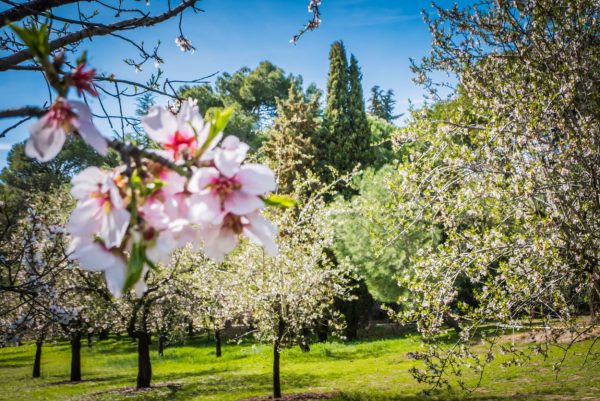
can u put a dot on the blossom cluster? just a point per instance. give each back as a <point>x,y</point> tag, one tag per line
<point>145,216</point>
<point>197,190</point>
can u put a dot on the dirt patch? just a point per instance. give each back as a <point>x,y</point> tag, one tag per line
<point>63,382</point>
<point>295,397</point>
<point>129,390</point>
<point>556,335</point>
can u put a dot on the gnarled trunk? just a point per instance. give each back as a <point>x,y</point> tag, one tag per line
<point>276,359</point>
<point>161,345</point>
<point>38,358</point>
<point>76,356</point>
<point>144,367</point>
<point>218,343</point>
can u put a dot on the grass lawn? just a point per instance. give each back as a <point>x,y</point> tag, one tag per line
<point>370,370</point>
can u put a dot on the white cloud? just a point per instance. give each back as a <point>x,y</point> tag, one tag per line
<point>5,146</point>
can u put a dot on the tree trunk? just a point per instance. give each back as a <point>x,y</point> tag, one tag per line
<point>161,345</point>
<point>103,335</point>
<point>218,342</point>
<point>276,357</point>
<point>303,340</point>
<point>144,367</point>
<point>322,330</point>
<point>76,356</point>
<point>38,358</point>
<point>594,299</point>
<point>89,338</point>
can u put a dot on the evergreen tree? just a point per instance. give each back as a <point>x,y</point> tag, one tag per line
<point>289,151</point>
<point>360,134</point>
<point>376,102</point>
<point>382,105</point>
<point>332,143</point>
<point>388,106</point>
<point>345,141</point>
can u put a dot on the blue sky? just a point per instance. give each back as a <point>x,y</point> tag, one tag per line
<point>229,34</point>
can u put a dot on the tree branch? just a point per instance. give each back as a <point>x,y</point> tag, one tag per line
<point>33,7</point>
<point>23,55</point>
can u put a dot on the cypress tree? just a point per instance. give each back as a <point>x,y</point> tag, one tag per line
<point>345,140</point>
<point>360,134</point>
<point>331,143</point>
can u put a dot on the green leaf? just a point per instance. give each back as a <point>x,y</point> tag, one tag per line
<point>135,267</point>
<point>218,125</point>
<point>282,201</point>
<point>36,39</point>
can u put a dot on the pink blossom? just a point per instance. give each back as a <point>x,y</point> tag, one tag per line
<point>100,210</point>
<point>226,198</point>
<point>83,80</point>
<point>94,256</point>
<point>220,240</point>
<point>49,133</point>
<point>182,134</point>
<point>216,194</point>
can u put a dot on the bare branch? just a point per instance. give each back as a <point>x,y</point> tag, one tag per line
<point>33,7</point>
<point>8,62</point>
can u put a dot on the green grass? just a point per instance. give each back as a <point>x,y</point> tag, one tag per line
<point>373,370</point>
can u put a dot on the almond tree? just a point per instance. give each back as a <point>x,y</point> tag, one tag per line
<point>292,292</point>
<point>508,171</point>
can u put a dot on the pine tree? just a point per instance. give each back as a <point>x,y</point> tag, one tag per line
<point>360,134</point>
<point>382,105</point>
<point>289,150</point>
<point>376,102</point>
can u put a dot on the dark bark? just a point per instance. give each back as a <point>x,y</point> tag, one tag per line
<point>303,340</point>
<point>89,338</point>
<point>76,356</point>
<point>144,366</point>
<point>218,343</point>
<point>357,311</point>
<point>453,323</point>
<point>594,300</point>
<point>276,360</point>
<point>161,345</point>
<point>97,30</point>
<point>33,7</point>
<point>103,335</point>
<point>322,331</point>
<point>38,358</point>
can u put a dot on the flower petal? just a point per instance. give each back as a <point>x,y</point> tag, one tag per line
<point>256,179</point>
<point>90,134</point>
<point>205,208</point>
<point>218,242</point>
<point>230,155</point>
<point>115,278</point>
<point>114,227</point>
<point>46,140</point>
<point>262,232</point>
<point>86,182</point>
<point>201,178</point>
<point>241,203</point>
<point>160,124</point>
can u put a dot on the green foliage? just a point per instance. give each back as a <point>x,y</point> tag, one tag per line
<point>255,90</point>
<point>360,135</point>
<point>382,134</point>
<point>288,149</point>
<point>345,140</point>
<point>382,104</point>
<point>365,220</point>
<point>251,93</point>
